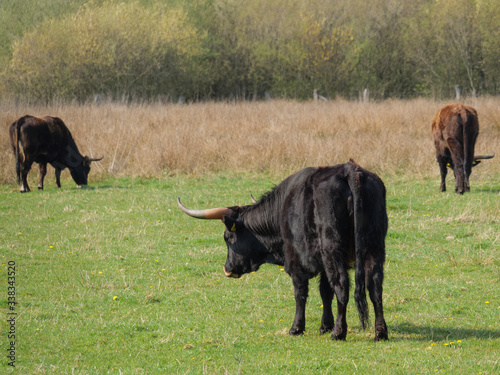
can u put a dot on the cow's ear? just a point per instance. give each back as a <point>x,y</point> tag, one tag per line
<point>232,225</point>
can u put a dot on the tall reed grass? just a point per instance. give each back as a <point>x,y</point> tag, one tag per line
<point>155,139</point>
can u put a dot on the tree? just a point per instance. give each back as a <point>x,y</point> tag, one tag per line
<point>379,31</point>
<point>446,46</point>
<point>327,50</point>
<point>488,20</point>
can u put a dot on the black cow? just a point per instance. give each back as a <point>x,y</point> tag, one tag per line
<point>455,128</point>
<point>317,221</point>
<point>45,140</point>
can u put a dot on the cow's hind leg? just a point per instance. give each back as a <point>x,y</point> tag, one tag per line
<point>443,168</point>
<point>18,170</point>
<point>467,170</point>
<point>58,177</point>
<point>301,290</point>
<point>43,172</point>
<point>342,293</point>
<point>326,292</point>
<point>25,168</point>
<point>375,278</point>
<point>339,278</point>
<point>456,150</point>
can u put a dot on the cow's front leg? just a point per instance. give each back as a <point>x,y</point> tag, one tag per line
<point>326,293</point>
<point>301,291</point>
<point>43,172</point>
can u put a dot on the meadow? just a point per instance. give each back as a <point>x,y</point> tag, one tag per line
<point>279,137</point>
<point>114,278</point>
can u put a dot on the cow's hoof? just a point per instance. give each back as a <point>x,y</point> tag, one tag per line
<point>40,188</point>
<point>338,338</point>
<point>381,337</point>
<point>325,329</point>
<point>338,334</point>
<point>296,332</point>
<point>381,332</point>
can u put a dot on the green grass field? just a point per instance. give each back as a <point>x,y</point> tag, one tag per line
<point>115,279</point>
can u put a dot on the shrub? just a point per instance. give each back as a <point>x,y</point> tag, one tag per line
<point>114,49</point>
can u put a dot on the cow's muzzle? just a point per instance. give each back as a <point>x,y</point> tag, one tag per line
<point>231,274</point>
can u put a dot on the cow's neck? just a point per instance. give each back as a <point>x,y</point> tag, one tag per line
<point>269,235</point>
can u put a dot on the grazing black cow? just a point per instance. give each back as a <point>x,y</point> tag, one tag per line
<point>317,221</point>
<point>455,128</point>
<point>46,140</point>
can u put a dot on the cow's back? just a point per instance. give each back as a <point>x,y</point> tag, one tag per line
<point>449,124</point>
<point>316,214</point>
<point>44,138</point>
<point>372,192</point>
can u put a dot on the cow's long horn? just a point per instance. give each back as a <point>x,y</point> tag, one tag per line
<point>211,213</point>
<point>478,157</point>
<point>95,159</point>
<point>253,199</point>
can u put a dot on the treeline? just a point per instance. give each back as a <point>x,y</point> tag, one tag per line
<point>205,49</point>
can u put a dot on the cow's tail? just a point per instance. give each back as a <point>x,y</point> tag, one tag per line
<point>17,150</point>
<point>354,176</point>
<point>468,145</point>
<point>465,145</point>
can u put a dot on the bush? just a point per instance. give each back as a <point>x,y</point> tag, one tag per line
<point>115,49</point>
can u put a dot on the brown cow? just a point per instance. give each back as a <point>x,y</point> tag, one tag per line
<point>45,140</point>
<point>455,128</point>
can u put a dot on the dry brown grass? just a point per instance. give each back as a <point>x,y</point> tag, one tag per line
<point>278,136</point>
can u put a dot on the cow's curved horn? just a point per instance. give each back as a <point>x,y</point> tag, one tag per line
<point>94,159</point>
<point>253,199</point>
<point>478,157</point>
<point>211,213</point>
